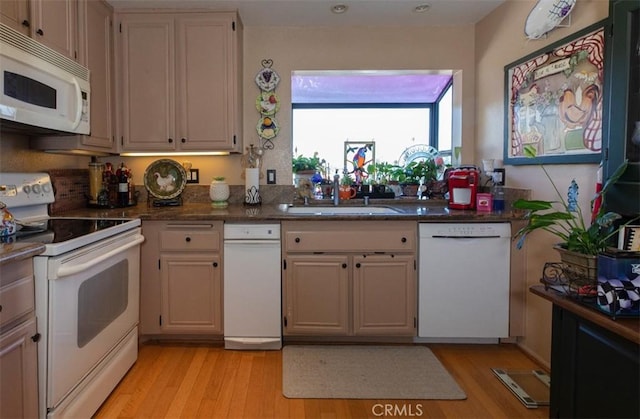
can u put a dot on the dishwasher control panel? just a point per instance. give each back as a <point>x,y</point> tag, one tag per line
<point>465,230</point>
<point>252,231</point>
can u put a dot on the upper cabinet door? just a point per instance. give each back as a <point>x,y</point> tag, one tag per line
<point>96,53</point>
<point>180,82</point>
<point>15,14</point>
<point>147,82</point>
<point>622,106</point>
<point>205,78</point>
<point>54,23</point>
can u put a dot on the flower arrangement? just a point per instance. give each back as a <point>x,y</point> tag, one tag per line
<point>564,218</point>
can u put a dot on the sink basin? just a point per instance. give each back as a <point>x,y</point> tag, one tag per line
<point>353,210</point>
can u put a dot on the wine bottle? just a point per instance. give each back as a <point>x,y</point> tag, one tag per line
<point>123,186</point>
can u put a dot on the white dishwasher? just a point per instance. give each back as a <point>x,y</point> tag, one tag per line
<point>252,286</point>
<point>463,281</point>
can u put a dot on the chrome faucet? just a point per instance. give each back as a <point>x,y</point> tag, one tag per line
<point>336,189</point>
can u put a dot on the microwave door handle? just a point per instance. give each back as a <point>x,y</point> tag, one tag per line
<point>76,121</point>
<point>66,270</point>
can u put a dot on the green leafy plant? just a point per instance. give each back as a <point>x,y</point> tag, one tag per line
<point>421,171</point>
<point>304,163</point>
<point>564,218</point>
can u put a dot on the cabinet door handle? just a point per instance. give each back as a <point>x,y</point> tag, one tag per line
<point>184,140</point>
<point>36,337</point>
<point>344,266</point>
<point>0,308</point>
<point>358,265</point>
<point>170,140</point>
<point>187,239</point>
<point>26,23</point>
<point>297,240</point>
<point>215,264</point>
<point>40,32</point>
<point>403,240</point>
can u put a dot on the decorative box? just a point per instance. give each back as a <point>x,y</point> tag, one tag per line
<point>619,282</point>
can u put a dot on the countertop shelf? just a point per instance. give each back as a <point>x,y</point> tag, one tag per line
<point>628,328</point>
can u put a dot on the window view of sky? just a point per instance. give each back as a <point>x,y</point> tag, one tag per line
<point>325,131</point>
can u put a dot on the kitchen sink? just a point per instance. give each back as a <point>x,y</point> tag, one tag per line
<point>345,210</point>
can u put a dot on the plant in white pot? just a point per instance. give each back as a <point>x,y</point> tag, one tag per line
<point>580,241</point>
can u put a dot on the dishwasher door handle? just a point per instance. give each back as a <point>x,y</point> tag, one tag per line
<point>467,237</point>
<point>251,242</point>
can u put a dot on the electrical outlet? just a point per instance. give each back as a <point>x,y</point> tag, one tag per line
<point>271,176</point>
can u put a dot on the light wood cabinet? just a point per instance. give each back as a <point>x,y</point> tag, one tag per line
<point>15,14</point>
<point>96,53</point>
<point>330,289</point>
<point>180,81</point>
<point>181,278</point>
<point>18,341</point>
<point>51,22</point>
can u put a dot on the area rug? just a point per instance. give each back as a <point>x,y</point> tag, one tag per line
<point>365,372</point>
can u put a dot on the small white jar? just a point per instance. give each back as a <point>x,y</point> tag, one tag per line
<point>219,192</point>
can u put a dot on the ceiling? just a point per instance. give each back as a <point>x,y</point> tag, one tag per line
<point>318,12</point>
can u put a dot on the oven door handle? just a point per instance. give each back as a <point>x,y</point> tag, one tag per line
<point>66,270</point>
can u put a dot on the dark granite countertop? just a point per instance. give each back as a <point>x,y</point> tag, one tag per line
<point>10,252</point>
<point>427,211</point>
<point>416,210</point>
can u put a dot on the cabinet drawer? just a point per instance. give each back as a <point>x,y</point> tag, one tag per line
<point>17,291</point>
<point>196,237</point>
<point>355,237</point>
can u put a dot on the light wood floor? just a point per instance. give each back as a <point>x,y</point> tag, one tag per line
<point>173,380</point>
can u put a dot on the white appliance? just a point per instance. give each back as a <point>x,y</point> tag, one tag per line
<point>39,87</point>
<point>463,282</point>
<point>252,286</point>
<point>87,285</point>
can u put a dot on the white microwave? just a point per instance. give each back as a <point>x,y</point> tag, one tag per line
<point>41,90</point>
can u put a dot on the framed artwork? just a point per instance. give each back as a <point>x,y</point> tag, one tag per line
<point>553,101</point>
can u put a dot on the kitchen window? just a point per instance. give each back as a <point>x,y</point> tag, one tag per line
<point>396,110</point>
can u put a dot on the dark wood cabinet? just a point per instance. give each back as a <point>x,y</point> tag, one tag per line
<point>622,106</point>
<point>594,373</point>
<point>595,361</point>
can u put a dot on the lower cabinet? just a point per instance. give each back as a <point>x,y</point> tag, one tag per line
<point>181,278</point>
<point>18,372</point>
<point>595,373</point>
<point>18,341</point>
<point>329,290</point>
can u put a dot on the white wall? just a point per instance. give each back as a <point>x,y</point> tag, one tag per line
<point>500,40</point>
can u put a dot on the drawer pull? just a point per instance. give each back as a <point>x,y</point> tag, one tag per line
<point>26,23</point>
<point>344,266</point>
<point>40,32</point>
<point>358,265</point>
<point>403,240</point>
<point>170,140</point>
<point>36,337</point>
<point>0,308</point>
<point>297,240</point>
<point>187,239</point>
<point>184,140</point>
<point>215,264</point>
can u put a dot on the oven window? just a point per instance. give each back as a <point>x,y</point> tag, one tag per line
<point>101,299</point>
<point>28,90</point>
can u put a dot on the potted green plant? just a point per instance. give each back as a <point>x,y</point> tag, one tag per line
<point>307,164</point>
<point>420,172</point>
<point>580,241</point>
